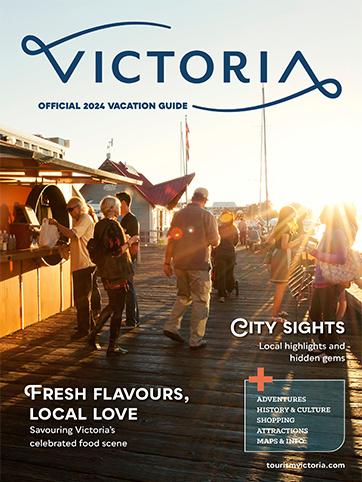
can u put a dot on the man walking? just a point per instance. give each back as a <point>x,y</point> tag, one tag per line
<point>131,227</point>
<point>193,230</point>
<point>81,265</point>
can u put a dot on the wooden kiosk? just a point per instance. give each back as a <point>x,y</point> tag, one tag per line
<point>35,283</point>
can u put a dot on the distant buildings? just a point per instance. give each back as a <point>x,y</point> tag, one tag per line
<point>224,205</point>
<point>249,211</point>
<point>48,146</point>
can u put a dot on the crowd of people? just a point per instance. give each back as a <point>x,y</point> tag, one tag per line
<point>201,253</point>
<point>106,249</point>
<point>335,266</point>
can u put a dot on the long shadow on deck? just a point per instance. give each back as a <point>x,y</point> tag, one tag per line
<point>198,441</point>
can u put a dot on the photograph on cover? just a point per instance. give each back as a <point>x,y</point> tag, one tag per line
<point>181,241</point>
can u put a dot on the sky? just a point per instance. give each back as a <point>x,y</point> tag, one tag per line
<point>313,142</point>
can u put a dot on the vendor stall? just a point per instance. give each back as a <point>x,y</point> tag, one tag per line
<point>36,282</point>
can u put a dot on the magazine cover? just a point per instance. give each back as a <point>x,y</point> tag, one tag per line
<point>181,241</point>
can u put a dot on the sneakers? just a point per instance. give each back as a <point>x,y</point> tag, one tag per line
<point>222,299</point>
<point>282,317</point>
<point>174,336</point>
<point>116,351</point>
<point>278,319</point>
<point>92,343</point>
<point>202,344</point>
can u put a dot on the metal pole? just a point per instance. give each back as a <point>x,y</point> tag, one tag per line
<point>182,157</point>
<point>261,166</point>
<point>186,160</point>
<point>182,160</point>
<point>265,162</point>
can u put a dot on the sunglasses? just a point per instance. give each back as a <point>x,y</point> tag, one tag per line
<point>71,209</point>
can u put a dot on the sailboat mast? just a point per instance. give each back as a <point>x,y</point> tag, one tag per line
<point>265,161</point>
<point>183,157</point>
<point>261,168</point>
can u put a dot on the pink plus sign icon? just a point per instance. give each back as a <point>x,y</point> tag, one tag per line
<point>260,379</point>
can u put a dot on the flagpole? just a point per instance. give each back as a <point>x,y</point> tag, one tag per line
<point>109,145</point>
<point>187,146</point>
<point>182,152</point>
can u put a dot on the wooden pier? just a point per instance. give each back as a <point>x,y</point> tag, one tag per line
<point>172,441</point>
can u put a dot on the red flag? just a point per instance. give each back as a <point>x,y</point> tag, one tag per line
<point>187,140</point>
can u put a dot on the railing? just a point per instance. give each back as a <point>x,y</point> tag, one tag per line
<point>153,236</point>
<point>301,279</point>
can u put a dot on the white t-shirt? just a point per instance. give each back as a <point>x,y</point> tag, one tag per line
<point>79,255</point>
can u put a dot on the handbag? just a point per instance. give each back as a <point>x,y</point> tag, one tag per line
<point>343,273</point>
<point>115,268</point>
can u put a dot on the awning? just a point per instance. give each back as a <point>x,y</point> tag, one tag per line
<point>19,166</point>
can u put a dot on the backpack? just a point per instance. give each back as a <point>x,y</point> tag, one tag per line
<point>94,251</point>
<point>104,251</point>
<point>99,246</point>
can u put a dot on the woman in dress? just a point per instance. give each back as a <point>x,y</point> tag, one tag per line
<point>339,235</point>
<point>283,239</point>
<point>351,221</point>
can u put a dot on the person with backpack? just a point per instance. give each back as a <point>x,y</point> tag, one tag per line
<point>109,250</point>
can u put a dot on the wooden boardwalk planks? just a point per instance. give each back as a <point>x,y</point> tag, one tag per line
<point>198,441</point>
